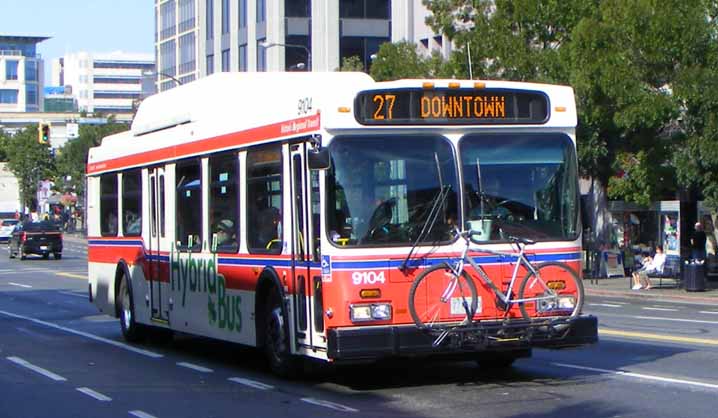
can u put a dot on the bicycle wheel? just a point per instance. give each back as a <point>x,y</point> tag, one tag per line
<point>561,287</point>
<point>439,298</point>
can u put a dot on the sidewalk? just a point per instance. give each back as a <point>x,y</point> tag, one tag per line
<point>619,287</point>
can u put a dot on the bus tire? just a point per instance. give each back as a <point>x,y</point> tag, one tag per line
<point>276,337</point>
<point>131,330</point>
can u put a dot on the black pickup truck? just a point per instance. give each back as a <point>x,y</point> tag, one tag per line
<point>41,238</point>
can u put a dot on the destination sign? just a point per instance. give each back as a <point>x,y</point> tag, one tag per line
<point>451,107</point>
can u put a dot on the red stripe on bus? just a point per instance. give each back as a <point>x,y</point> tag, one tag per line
<point>276,130</point>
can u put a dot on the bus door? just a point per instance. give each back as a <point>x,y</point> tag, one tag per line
<point>157,245</point>
<point>308,312</point>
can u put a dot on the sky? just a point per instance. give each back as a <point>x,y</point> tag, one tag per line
<point>98,26</point>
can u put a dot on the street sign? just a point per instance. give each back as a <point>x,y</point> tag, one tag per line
<point>73,130</point>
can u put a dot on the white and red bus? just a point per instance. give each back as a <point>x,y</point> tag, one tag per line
<point>253,208</point>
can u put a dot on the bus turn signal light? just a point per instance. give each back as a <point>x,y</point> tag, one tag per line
<point>370,293</point>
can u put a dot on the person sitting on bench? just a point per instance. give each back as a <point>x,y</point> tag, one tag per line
<point>651,265</point>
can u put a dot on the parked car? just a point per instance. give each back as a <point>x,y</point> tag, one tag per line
<point>6,227</point>
<point>41,238</point>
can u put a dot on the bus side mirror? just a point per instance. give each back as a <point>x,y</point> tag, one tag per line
<point>319,159</point>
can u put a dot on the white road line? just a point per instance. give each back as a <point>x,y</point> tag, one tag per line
<point>72,275</point>
<point>77,295</point>
<point>608,305</point>
<point>86,335</point>
<point>659,309</point>
<point>641,376</point>
<point>37,369</point>
<point>20,285</point>
<point>251,383</point>
<point>709,312</point>
<point>93,394</point>
<point>195,367</point>
<point>695,321</point>
<point>141,414</point>
<point>330,405</point>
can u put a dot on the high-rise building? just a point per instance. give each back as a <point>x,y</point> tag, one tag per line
<point>194,38</point>
<point>21,74</point>
<point>103,83</point>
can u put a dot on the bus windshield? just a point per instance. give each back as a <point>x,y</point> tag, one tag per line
<point>381,190</point>
<point>523,184</point>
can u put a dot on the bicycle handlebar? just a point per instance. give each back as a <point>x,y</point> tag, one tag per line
<point>469,233</point>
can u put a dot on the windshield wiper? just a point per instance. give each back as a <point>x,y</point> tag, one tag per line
<point>437,204</point>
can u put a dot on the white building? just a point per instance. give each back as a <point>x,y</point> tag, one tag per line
<point>103,83</point>
<point>9,192</point>
<point>195,38</point>
<point>21,74</point>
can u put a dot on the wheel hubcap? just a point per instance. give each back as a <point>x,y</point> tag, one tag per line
<point>127,312</point>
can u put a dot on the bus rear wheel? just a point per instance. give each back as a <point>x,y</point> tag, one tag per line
<point>276,342</point>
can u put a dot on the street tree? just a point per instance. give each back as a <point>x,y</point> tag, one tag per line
<point>398,60</point>
<point>30,161</point>
<point>352,63</point>
<point>72,158</point>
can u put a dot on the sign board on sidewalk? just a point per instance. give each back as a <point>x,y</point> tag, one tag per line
<point>612,263</point>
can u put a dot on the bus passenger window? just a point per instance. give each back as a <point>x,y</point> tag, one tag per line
<point>264,196</point>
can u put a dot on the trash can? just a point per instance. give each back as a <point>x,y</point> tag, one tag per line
<point>694,276</point>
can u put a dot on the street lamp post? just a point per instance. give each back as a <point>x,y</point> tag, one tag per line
<point>309,53</point>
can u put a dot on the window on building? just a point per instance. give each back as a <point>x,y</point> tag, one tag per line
<point>132,203</point>
<point>223,202</point>
<point>108,205</point>
<point>189,205</point>
<point>225,16</point>
<point>261,55</point>
<point>209,23</point>
<point>243,57</point>
<point>365,9</point>
<point>225,60</point>
<point>11,70</point>
<point>8,96</point>
<point>210,64</point>
<point>261,11</point>
<point>187,15</point>
<point>264,199</point>
<point>168,26</point>
<point>31,94</point>
<point>362,47</point>
<point>297,8</point>
<point>30,70</point>
<point>168,58</point>
<point>296,58</point>
<point>242,14</point>
<point>187,62</point>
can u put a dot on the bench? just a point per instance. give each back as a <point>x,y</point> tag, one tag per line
<point>670,277</point>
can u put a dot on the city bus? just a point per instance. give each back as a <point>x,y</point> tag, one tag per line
<point>292,211</point>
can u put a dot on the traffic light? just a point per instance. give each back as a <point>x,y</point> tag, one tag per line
<point>43,133</point>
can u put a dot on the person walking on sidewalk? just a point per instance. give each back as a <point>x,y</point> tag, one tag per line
<point>698,243</point>
<point>651,265</point>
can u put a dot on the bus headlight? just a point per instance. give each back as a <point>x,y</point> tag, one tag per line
<point>373,312</point>
<point>560,303</point>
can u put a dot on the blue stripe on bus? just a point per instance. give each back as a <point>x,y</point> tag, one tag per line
<point>492,259</point>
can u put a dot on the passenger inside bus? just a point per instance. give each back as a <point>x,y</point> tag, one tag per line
<point>226,235</point>
<point>269,227</point>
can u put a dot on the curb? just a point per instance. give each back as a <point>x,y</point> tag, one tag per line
<point>644,295</point>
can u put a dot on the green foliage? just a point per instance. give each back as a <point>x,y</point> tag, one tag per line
<point>398,60</point>
<point>72,158</point>
<point>352,63</point>
<point>29,161</point>
<point>3,145</point>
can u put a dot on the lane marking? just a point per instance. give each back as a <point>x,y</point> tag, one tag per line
<point>20,285</point>
<point>251,383</point>
<point>37,369</point>
<point>696,321</point>
<point>93,394</point>
<point>77,295</point>
<point>330,405</point>
<point>86,335</point>
<point>641,376</point>
<point>195,367</point>
<point>709,312</point>
<point>657,337</point>
<point>141,414</point>
<point>647,308</point>
<point>608,305</point>
<point>72,275</point>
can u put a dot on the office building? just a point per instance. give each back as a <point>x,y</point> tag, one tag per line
<point>21,74</point>
<point>195,38</point>
<point>108,83</point>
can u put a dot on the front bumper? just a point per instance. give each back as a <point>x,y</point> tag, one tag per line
<point>368,343</point>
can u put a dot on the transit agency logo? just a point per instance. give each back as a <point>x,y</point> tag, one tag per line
<point>326,269</point>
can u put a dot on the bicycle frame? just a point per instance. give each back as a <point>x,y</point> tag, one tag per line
<point>521,260</point>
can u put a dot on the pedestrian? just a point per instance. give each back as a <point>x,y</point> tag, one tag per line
<point>698,243</point>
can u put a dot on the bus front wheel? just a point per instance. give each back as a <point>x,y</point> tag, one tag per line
<point>276,343</point>
<point>131,330</point>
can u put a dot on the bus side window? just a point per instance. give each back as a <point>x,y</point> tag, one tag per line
<point>264,199</point>
<point>108,205</point>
